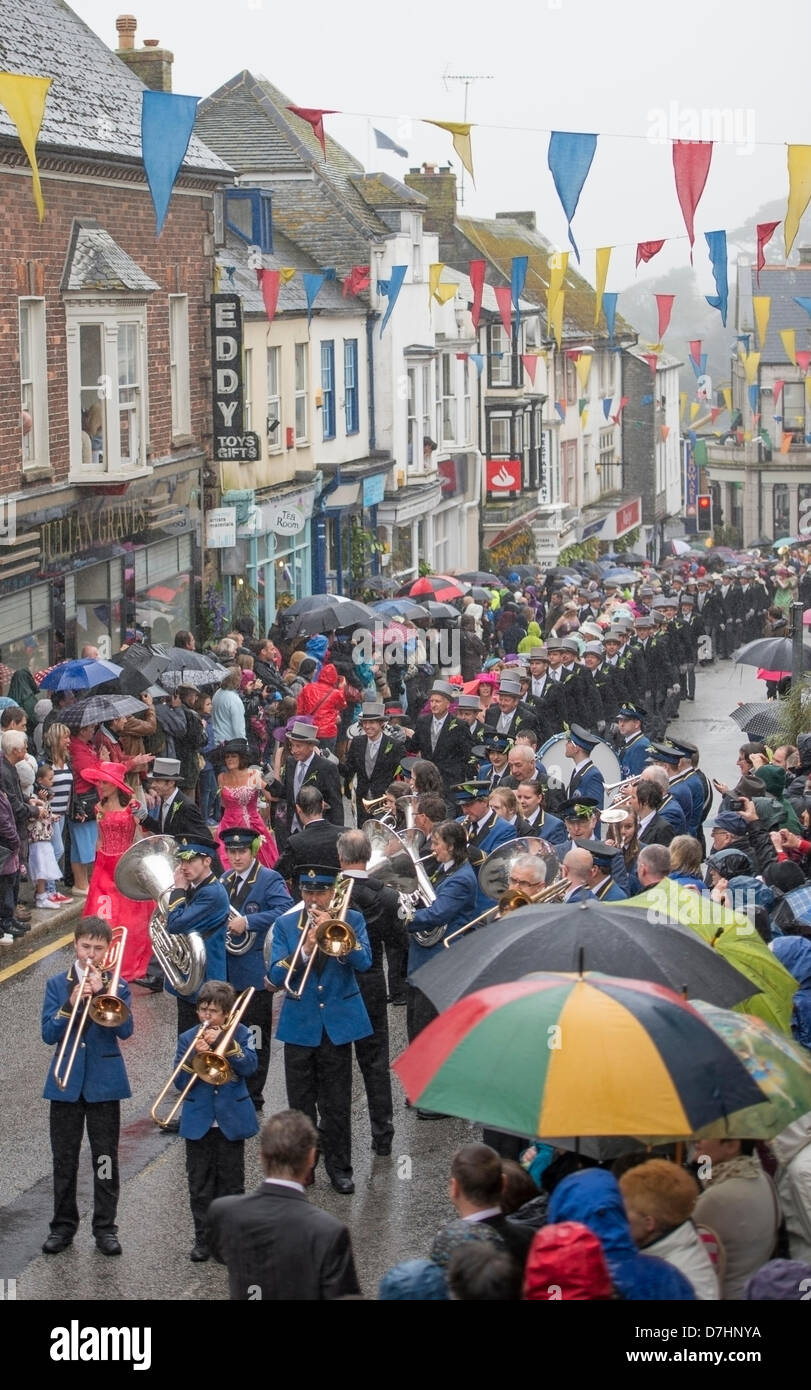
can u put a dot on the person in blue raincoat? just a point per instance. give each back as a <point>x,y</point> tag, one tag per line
<point>794,952</point>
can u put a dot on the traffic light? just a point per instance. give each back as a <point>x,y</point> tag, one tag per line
<point>704,512</point>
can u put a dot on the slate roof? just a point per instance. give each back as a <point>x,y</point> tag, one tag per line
<point>317,204</point>
<point>383,191</point>
<point>781,284</point>
<point>94,103</point>
<point>499,239</point>
<point>292,299</point>
<point>96,262</point>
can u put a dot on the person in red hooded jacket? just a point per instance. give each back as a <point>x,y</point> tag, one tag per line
<point>566,1262</point>
<point>323,699</point>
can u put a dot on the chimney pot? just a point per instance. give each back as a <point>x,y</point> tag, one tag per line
<point>126,24</point>
<point>151,43</point>
<point>804,254</point>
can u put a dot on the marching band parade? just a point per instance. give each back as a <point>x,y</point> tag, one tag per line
<point>483,819</point>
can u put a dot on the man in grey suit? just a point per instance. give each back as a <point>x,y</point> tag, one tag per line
<point>275,1244</point>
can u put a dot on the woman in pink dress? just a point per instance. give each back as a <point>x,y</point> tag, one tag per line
<point>117,815</point>
<point>240,786</point>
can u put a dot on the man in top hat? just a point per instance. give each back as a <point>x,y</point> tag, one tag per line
<point>575,699</point>
<point>306,768</point>
<point>692,630</point>
<point>441,738</point>
<point>198,903</point>
<point>315,842</point>
<point>372,758</point>
<point>319,1028</point>
<point>607,682</point>
<point>730,613</point>
<point>600,880</point>
<point>172,813</point>
<point>509,714</point>
<point>495,768</point>
<point>633,753</point>
<point>544,697</point>
<point>258,896</point>
<point>586,780</point>
<point>469,710</point>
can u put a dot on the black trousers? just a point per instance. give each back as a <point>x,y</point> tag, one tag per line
<point>419,1012</point>
<point>319,1083</point>
<point>372,1054</point>
<point>67,1122</point>
<point>397,966</point>
<point>215,1167</point>
<point>259,1017</point>
<point>186,1014</point>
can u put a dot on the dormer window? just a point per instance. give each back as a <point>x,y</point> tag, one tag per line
<point>248,213</point>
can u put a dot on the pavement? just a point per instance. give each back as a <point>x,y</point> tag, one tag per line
<point>399,1201</point>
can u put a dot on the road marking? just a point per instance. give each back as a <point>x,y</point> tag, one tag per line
<point>35,956</point>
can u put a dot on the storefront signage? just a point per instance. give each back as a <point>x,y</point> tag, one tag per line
<point>221,528</point>
<point>79,532</point>
<point>627,517</point>
<point>373,489</point>
<point>285,520</point>
<point>231,442</point>
<point>503,475</point>
<point>453,475</point>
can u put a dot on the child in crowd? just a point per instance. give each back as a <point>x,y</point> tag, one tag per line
<point>43,866</point>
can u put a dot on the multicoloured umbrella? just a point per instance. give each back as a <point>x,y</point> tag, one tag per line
<point>576,1054</point>
<point>778,1065</point>
<point>81,674</point>
<point>733,936</point>
<point>437,586</point>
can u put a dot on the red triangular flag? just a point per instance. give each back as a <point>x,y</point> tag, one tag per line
<point>739,436</point>
<point>270,281</point>
<point>715,411</point>
<point>359,278</point>
<point>664,430</point>
<point>695,350</point>
<point>531,365</point>
<point>651,358</point>
<point>574,353</point>
<point>803,360</point>
<point>765,232</point>
<point>476,271</point>
<point>623,402</point>
<point>503,295</point>
<point>664,304</point>
<point>646,250</point>
<point>776,389</point>
<point>691,165</point>
<point>315,118</point>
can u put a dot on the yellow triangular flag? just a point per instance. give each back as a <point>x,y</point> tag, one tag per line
<point>445,292</point>
<point>558,265</point>
<point>726,392</point>
<point>460,130</point>
<point>799,190</point>
<point>751,362</point>
<point>286,273</point>
<point>555,317</point>
<point>683,404</point>
<point>24,98</point>
<point>602,257</point>
<point>762,305</point>
<point>694,409</point>
<point>789,341</point>
<point>747,435</point>
<point>217,278</point>
<point>434,276</point>
<point>583,366</point>
<point>808,390</point>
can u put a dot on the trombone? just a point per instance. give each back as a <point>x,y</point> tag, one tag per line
<point>105,1009</point>
<point>211,1067</point>
<point>334,937</point>
<point>509,901</point>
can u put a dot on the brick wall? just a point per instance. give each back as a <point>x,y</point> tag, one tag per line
<point>32,261</point>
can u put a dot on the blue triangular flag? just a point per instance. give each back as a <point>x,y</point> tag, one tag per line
<point>569,158</point>
<point>518,274</point>
<point>610,310</point>
<point>559,407</point>
<point>385,142</point>
<point>607,400</point>
<point>753,395</point>
<point>717,244</point>
<point>390,289</point>
<point>313,280</point>
<point>477,358</point>
<point>803,302</point>
<point>647,400</point>
<point>167,121</point>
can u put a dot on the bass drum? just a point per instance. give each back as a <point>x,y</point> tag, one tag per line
<point>559,768</point>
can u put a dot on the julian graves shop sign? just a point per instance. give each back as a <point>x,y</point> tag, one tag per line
<point>231,442</point>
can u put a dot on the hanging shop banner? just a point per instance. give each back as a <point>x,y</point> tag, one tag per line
<point>231,441</point>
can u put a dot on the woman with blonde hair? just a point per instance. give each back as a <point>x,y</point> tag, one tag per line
<point>685,862</point>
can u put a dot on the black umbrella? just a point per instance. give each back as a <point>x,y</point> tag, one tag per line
<point>437,611</point>
<point>98,709</point>
<point>479,577</point>
<point>592,935</point>
<point>179,659</point>
<point>327,613</point>
<point>772,654</point>
<point>140,655</point>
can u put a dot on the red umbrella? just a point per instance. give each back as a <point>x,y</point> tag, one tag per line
<point>438,586</point>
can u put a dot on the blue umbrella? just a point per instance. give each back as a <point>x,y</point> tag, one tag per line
<point>80,675</point>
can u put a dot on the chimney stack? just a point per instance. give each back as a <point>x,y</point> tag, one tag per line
<point>439,187</point>
<point>151,63</point>
<point>526,219</point>
<point>804,255</point>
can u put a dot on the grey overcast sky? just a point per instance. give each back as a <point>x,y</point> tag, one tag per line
<point>637,68</point>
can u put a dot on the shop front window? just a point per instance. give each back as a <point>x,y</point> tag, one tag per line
<point>25,633</point>
<point>99,595</point>
<point>401,550</point>
<point>163,599</point>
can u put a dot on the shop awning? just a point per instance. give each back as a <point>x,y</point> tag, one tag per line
<point>514,527</point>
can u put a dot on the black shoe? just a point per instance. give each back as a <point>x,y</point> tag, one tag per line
<point>431,1115</point>
<point>173,1127</point>
<point>199,1253</point>
<point>343,1183</point>
<point>396,999</point>
<point>258,1103</point>
<point>16,929</point>
<point>381,1147</point>
<point>55,1244</point>
<point>108,1244</point>
<point>151,982</point>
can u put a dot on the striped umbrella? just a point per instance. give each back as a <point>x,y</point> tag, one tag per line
<point>441,587</point>
<point>576,1054</point>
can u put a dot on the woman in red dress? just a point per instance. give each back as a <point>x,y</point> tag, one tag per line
<point>117,815</point>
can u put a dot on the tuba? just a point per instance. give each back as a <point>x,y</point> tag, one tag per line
<point>147,870</point>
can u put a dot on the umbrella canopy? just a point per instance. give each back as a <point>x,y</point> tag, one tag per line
<point>779,1066</point>
<point>785,541</point>
<point>480,594</point>
<point>480,577</point>
<point>140,655</point>
<point>98,709</point>
<point>760,720</point>
<point>436,610</point>
<point>552,936</point>
<point>771,653</point>
<point>179,659</point>
<point>569,1054</point>
<point>620,577</point>
<point>436,586</point>
<point>627,557</point>
<point>380,584</point>
<point>327,613</point>
<point>193,676</point>
<point>79,675</point>
<point>732,935</point>
<point>399,608</point>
